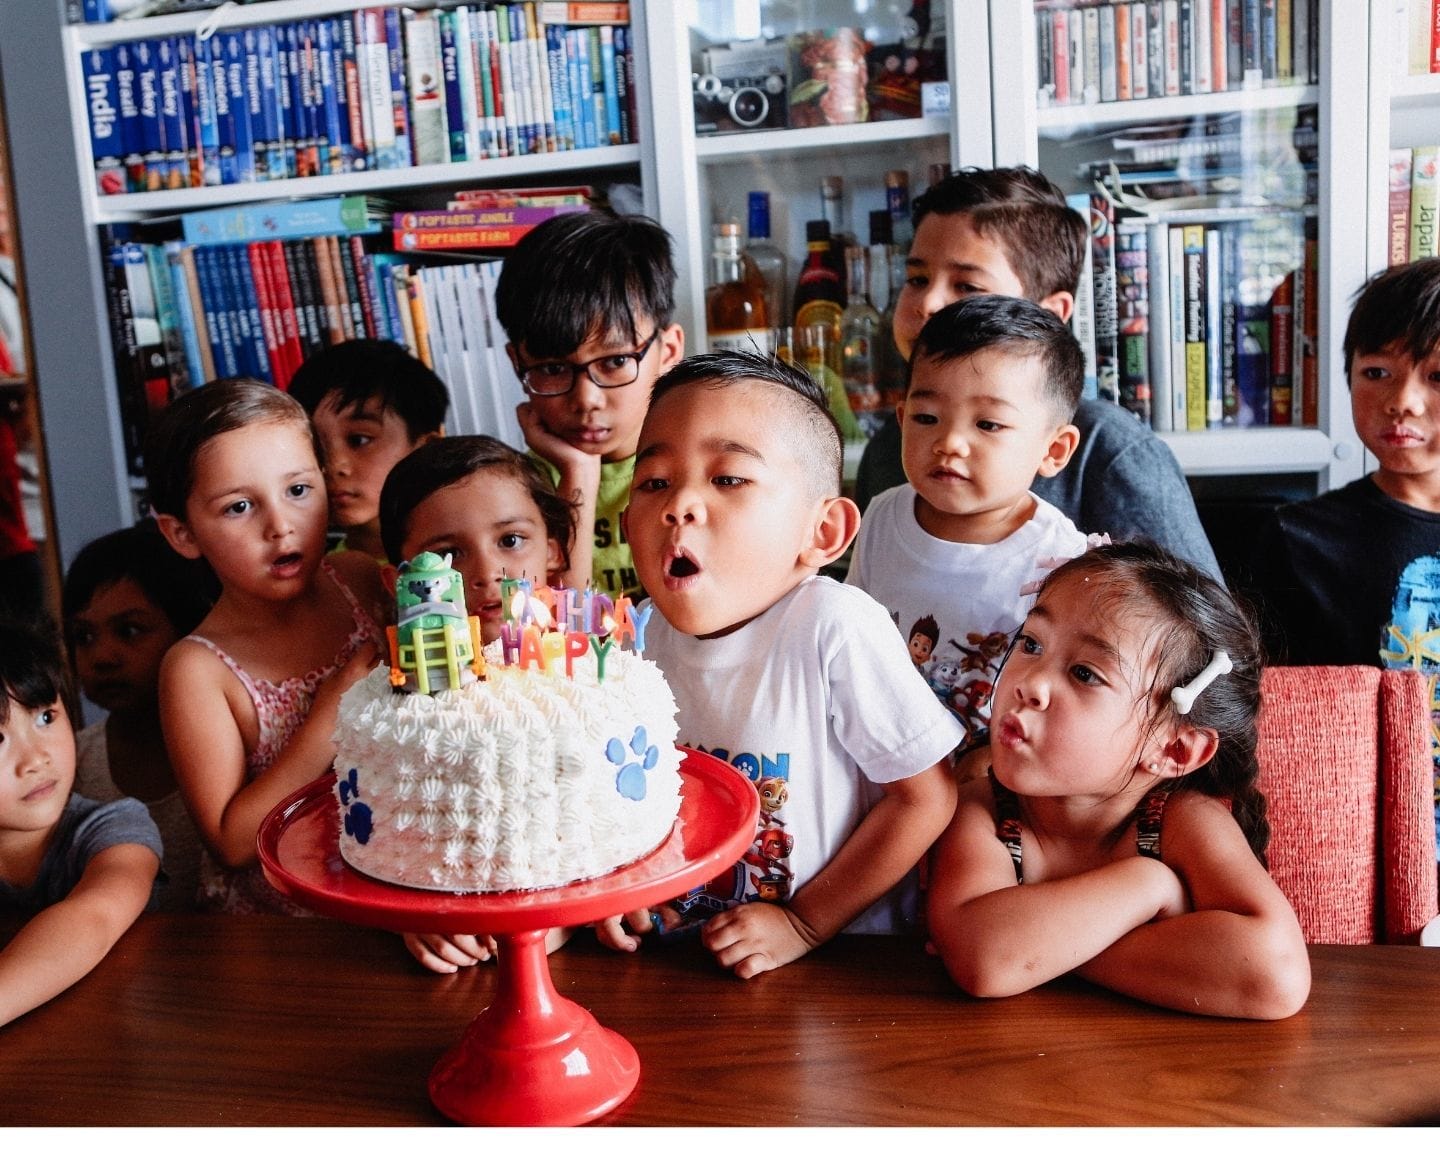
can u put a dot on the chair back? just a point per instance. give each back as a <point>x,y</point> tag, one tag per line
<point>1347,773</point>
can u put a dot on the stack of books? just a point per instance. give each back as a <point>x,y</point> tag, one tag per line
<point>487,219</point>
<point>377,89</point>
<point>254,291</point>
<point>1090,51</point>
<point>1414,203</point>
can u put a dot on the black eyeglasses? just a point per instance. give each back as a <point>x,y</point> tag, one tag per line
<point>609,372</point>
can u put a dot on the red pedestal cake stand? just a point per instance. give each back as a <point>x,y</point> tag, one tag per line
<point>532,1057</point>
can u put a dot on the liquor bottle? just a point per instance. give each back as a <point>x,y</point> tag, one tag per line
<point>859,342</point>
<point>819,305</point>
<point>897,203</point>
<point>768,260</point>
<point>832,207</point>
<point>887,277</point>
<point>734,306</point>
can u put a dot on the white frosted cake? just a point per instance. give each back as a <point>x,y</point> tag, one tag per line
<point>522,779</point>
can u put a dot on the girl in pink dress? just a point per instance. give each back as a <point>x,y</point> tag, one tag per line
<point>248,701</point>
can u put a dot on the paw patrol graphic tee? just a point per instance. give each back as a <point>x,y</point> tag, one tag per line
<point>813,701</point>
<point>957,606</point>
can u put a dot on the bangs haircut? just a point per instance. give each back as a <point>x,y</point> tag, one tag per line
<point>178,432</point>
<point>1012,325</point>
<point>1044,239</point>
<point>803,415</point>
<point>1398,308</point>
<point>32,668</point>
<point>446,461</point>
<point>371,368</point>
<point>583,274</point>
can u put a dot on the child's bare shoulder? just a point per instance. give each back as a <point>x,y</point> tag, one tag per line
<point>363,576</point>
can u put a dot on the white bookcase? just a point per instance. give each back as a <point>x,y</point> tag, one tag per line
<point>686,182</point>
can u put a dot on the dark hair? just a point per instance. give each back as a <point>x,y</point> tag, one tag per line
<point>1045,240</point>
<point>926,627</point>
<point>442,462</point>
<point>576,274</point>
<point>357,371</point>
<point>179,431</point>
<point>32,667</point>
<point>816,435</point>
<point>170,582</point>
<point>1017,327</point>
<point>1195,617</point>
<point>1401,304</point>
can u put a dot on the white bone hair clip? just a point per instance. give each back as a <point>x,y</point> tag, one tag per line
<point>1184,697</point>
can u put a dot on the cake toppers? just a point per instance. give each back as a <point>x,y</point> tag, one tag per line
<point>434,642</point>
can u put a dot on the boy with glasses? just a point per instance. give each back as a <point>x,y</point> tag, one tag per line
<point>586,303</point>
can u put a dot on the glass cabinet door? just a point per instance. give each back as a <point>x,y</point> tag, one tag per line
<point>1193,136</point>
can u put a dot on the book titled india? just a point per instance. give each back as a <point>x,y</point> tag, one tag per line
<point>102,107</point>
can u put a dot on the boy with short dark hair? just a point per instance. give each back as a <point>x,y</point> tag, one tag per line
<point>993,385</point>
<point>371,403</point>
<point>587,302</point>
<point>1009,231</point>
<point>1353,576</point>
<point>801,682</point>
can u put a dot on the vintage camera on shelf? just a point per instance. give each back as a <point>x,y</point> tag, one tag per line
<point>741,86</point>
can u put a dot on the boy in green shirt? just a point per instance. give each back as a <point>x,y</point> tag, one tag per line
<point>586,302</point>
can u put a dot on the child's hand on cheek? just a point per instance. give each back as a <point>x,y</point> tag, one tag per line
<point>569,460</point>
<point>756,937</point>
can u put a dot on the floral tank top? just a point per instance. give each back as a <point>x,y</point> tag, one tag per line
<point>280,708</point>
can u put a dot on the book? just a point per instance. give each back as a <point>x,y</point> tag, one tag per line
<point>1179,403</point>
<point>167,316</point>
<point>356,155</point>
<point>123,346</point>
<point>1082,318</point>
<point>1424,198</point>
<point>1171,41</point>
<point>174,141</point>
<point>1132,292</point>
<point>1196,303</point>
<point>1102,259</point>
<point>540,76</point>
<point>102,106</point>
<point>611,88</point>
<point>190,312</point>
<point>372,59</point>
<point>402,151</point>
<point>1139,51</point>
<point>285,219</point>
<point>456,145</point>
<point>262,55</point>
<point>147,100</point>
<point>1157,247</point>
<point>1214,357</point>
<point>239,128</point>
<point>1119,25</point>
<point>1282,306</point>
<point>335,113</point>
<point>1398,236</point>
<point>287,69</point>
<point>583,12</point>
<point>1309,328</point>
<point>269,325</point>
<point>425,78</point>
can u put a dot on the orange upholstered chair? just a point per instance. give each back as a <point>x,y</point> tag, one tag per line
<point>1346,769</point>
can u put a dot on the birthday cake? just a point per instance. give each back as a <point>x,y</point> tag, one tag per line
<point>547,759</point>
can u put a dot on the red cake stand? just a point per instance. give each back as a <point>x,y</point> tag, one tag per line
<point>532,1057</point>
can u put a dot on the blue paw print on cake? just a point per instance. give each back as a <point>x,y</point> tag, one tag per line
<point>630,777</point>
<point>358,820</point>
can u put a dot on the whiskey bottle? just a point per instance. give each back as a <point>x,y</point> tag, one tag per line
<point>734,306</point>
<point>768,260</point>
<point>859,342</point>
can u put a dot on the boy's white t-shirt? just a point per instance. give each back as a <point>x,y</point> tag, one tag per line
<point>807,700</point>
<point>971,592</point>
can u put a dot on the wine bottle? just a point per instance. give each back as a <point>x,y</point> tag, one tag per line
<point>768,260</point>
<point>887,277</point>
<point>832,207</point>
<point>734,306</point>
<point>819,305</point>
<point>859,342</point>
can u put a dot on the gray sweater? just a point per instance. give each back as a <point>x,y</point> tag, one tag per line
<point>1122,480</point>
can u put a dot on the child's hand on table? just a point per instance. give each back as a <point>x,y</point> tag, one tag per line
<point>756,937</point>
<point>621,932</point>
<point>447,953</point>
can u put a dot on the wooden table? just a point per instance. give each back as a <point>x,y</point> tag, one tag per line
<point>234,1021</point>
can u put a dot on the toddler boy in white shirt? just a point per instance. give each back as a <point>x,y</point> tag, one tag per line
<point>994,382</point>
<point>798,680</point>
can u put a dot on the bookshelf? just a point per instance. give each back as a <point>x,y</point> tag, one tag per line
<point>687,181</point>
<point>1064,138</point>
